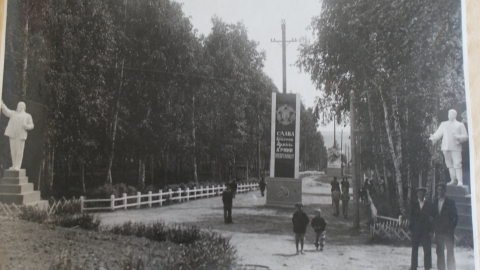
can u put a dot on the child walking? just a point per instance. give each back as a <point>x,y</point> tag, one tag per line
<point>319,224</point>
<point>300,222</point>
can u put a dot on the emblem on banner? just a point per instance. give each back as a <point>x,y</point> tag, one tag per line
<point>285,115</point>
<point>284,192</point>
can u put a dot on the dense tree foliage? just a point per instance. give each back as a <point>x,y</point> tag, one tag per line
<point>403,60</point>
<point>314,155</point>
<point>135,95</point>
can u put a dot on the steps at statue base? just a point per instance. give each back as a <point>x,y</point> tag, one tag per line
<point>463,201</point>
<point>15,188</point>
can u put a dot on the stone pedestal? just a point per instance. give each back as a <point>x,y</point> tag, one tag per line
<point>463,201</point>
<point>15,188</point>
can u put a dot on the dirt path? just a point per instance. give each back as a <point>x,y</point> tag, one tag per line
<point>263,234</point>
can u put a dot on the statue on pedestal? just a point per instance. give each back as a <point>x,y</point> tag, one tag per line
<point>453,133</point>
<point>20,121</point>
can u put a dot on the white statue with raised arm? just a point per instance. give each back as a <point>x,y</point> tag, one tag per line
<point>454,134</point>
<point>20,121</point>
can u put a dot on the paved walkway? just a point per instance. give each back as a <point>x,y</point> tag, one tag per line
<point>263,236</point>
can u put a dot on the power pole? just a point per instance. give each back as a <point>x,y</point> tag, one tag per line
<point>284,55</point>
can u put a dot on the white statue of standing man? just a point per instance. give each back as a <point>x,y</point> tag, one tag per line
<point>20,121</point>
<point>454,134</point>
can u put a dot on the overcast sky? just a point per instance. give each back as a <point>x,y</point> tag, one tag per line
<point>263,18</point>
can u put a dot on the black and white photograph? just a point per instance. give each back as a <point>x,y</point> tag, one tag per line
<point>239,135</point>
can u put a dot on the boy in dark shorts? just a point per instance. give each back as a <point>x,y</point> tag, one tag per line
<point>300,222</point>
<point>319,224</point>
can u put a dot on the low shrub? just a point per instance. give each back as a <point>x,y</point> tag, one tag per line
<point>31,213</point>
<point>107,190</point>
<point>64,262</point>
<point>200,250</point>
<point>128,261</point>
<point>85,221</point>
<point>182,234</point>
<point>210,251</point>
<point>156,231</point>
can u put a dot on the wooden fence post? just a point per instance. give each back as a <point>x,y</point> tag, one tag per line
<point>160,197</point>
<point>125,200</point>
<point>187,190</point>
<point>112,202</point>
<point>139,199</point>
<point>81,204</point>
<point>195,192</point>
<point>149,199</point>
<point>170,194</point>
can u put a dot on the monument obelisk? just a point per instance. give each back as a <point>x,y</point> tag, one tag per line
<point>284,186</point>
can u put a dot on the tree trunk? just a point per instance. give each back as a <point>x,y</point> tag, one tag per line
<point>113,133</point>
<point>152,164</point>
<point>409,183</point>
<point>195,178</point>
<point>259,161</point>
<point>82,174</point>
<point>165,166</point>
<point>385,176</point>
<point>51,167</point>
<point>23,92</point>
<point>395,149</point>
<point>141,172</point>
<point>431,172</point>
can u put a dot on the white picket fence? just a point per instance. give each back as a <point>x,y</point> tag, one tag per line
<point>159,198</point>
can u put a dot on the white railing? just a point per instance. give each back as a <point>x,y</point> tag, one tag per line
<point>387,227</point>
<point>159,198</point>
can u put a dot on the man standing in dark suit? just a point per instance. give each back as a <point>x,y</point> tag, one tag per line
<point>421,228</point>
<point>335,196</point>
<point>227,204</point>
<point>445,220</point>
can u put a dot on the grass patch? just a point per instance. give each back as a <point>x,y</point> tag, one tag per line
<point>199,249</point>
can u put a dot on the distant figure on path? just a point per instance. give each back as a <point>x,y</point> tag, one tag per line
<point>262,185</point>
<point>453,134</point>
<point>345,198</point>
<point>421,228</point>
<point>335,196</point>
<point>227,199</point>
<point>234,187</point>
<point>445,219</point>
<point>319,224</point>
<point>345,183</point>
<point>300,222</point>
<point>20,121</point>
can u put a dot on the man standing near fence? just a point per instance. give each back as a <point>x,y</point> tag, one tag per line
<point>227,198</point>
<point>445,220</point>
<point>421,227</point>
